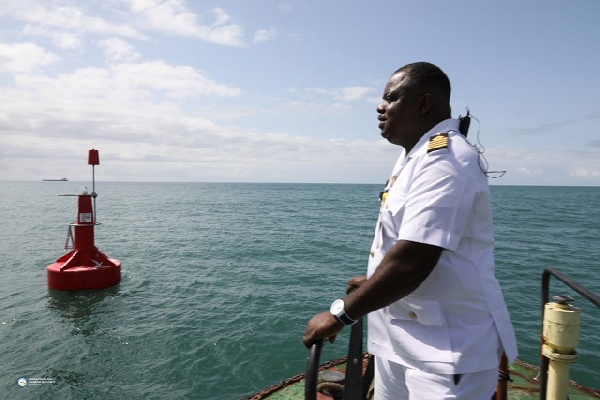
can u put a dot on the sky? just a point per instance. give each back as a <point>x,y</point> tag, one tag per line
<point>287,91</point>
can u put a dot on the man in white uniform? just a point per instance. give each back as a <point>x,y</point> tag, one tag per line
<point>437,321</point>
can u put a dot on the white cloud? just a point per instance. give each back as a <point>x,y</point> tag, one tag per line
<point>168,16</point>
<point>117,50</point>
<point>118,109</point>
<point>24,57</point>
<point>64,18</point>
<point>583,172</point>
<point>544,167</point>
<point>175,81</point>
<point>346,94</point>
<point>175,17</point>
<point>264,35</point>
<point>124,83</point>
<point>132,114</point>
<point>230,35</point>
<point>61,39</point>
<point>158,142</point>
<point>65,24</point>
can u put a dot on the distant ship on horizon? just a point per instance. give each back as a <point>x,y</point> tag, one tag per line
<point>56,180</point>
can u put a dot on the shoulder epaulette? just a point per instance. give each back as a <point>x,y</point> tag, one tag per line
<point>437,142</point>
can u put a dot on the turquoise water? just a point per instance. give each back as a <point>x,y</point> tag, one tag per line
<point>218,281</point>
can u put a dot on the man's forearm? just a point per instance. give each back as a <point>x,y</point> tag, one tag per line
<point>402,270</point>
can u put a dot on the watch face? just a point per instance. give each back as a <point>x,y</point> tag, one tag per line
<point>337,307</point>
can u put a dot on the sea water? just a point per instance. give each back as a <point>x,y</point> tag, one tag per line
<point>219,280</point>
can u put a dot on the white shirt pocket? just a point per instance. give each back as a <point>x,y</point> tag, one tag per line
<point>418,329</point>
<point>395,201</point>
<point>391,216</point>
<point>425,310</point>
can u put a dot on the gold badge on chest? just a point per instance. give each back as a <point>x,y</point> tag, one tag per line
<point>383,195</point>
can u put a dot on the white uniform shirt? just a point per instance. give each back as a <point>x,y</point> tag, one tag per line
<point>456,321</point>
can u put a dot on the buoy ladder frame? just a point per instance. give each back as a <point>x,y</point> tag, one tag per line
<point>70,239</point>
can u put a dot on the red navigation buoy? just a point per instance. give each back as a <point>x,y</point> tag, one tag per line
<point>84,267</point>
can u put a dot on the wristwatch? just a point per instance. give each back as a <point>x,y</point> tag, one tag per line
<point>337,309</point>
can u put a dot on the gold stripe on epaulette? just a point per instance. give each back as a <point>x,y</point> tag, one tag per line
<point>439,141</point>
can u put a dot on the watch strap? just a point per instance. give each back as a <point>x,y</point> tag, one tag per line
<point>345,319</point>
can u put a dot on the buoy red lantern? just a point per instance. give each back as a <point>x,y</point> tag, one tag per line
<point>84,267</point>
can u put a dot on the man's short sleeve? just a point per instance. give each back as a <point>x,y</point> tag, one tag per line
<point>437,203</point>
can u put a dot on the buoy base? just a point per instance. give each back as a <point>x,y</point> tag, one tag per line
<point>83,277</point>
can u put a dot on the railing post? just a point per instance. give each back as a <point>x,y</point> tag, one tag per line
<point>561,337</point>
<point>312,371</point>
<point>548,349</point>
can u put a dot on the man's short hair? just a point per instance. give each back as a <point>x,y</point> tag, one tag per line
<point>427,76</point>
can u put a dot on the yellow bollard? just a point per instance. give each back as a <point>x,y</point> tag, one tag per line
<point>561,336</point>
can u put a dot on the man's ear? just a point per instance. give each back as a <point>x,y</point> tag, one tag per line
<point>425,103</point>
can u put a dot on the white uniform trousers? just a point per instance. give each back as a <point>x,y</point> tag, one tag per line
<point>397,382</point>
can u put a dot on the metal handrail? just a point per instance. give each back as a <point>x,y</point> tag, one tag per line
<point>577,287</point>
<point>354,387</point>
<point>312,371</point>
